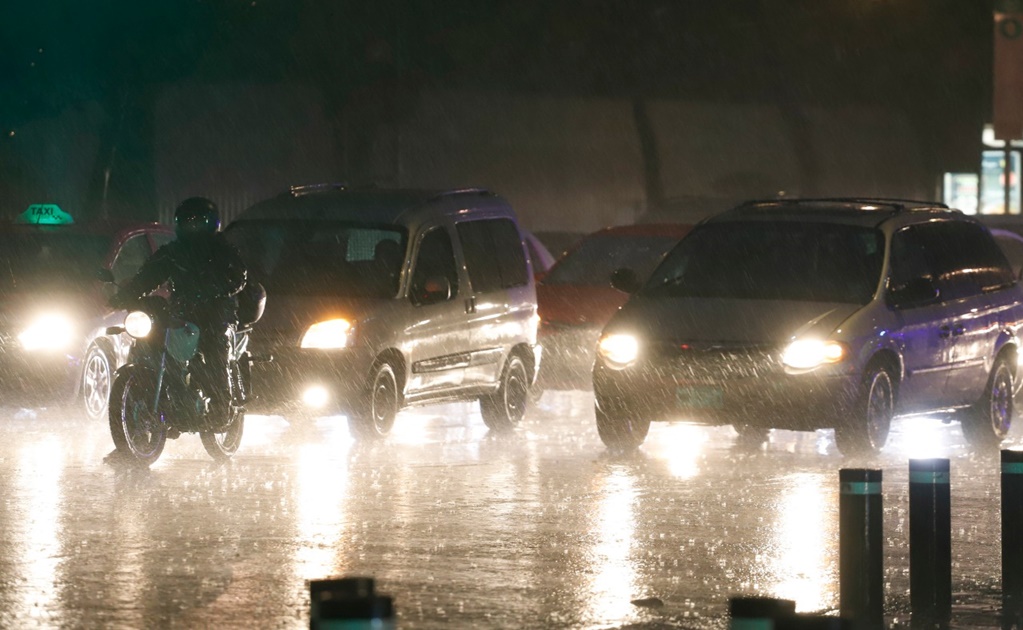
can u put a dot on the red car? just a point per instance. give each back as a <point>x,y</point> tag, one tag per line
<point>55,278</point>
<point>575,298</point>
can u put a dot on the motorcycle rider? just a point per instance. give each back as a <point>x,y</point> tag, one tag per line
<point>205,274</point>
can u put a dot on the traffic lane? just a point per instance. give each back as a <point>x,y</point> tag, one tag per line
<point>541,528</point>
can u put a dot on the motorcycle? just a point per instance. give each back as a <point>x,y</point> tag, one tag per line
<point>156,394</point>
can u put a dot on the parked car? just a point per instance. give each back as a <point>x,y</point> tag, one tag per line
<point>54,349</point>
<point>381,299</point>
<point>809,314</point>
<point>575,298</point>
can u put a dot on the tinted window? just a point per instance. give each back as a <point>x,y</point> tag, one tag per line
<point>436,258</point>
<point>592,262</point>
<point>494,254</point>
<point>773,261</point>
<point>962,259</point>
<point>321,257</point>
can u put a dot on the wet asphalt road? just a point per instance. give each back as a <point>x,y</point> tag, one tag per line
<point>542,528</point>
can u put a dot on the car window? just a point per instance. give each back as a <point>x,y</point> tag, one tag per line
<point>130,257</point>
<point>435,258</point>
<point>321,257</point>
<point>596,257</point>
<point>961,258</point>
<point>161,238</point>
<point>494,254</point>
<point>773,260</point>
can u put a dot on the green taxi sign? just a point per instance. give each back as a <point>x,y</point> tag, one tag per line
<point>44,214</point>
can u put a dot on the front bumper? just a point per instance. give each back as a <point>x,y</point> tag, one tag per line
<point>281,385</point>
<point>754,391</point>
<point>38,379</point>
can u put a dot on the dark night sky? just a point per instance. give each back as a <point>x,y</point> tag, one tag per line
<point>928,59</point>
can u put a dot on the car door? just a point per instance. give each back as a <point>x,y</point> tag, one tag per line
<point>981,292</point>
<point>923,331</point>
<point>437,338</point>
<point>503,296</point>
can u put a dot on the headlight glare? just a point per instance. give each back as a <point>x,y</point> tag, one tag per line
<point>807,354</point>
<point>619,350</point>
<point>138,324</point>
<point>331,334</point>
<point>51,331</point>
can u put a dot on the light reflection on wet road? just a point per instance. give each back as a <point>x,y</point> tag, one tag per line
<point>542,528</point>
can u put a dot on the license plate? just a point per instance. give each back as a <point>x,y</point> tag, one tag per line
<point>700,397</point>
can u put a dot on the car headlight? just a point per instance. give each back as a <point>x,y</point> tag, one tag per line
<point>334,333</point>
<point>807,354</point>
<point>138,324</point>
<point>619,350</point>
<point>51,331</point>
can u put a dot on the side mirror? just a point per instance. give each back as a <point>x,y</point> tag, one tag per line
<point>434,289</point>
<point>625,280</point>
<point>916,292</point>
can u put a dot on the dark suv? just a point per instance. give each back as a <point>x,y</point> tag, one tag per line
<point>817,313</point>
<point>380,299</point>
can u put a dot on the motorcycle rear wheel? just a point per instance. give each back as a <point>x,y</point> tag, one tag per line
<point>138,432</point>
<point>222,445</point>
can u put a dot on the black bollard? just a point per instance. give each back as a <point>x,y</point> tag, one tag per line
<point>350,603</point>
<point>930,543</point>
<point>758,613</point>
<point>1012,540</point>
<point>860,548</point>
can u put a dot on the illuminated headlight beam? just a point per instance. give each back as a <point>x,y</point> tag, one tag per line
<point>51,331</point>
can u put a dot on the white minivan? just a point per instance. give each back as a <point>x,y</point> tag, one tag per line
<point>379,299</point>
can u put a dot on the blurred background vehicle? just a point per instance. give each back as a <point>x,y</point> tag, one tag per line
<point>575,299</point>
<point>55,277</point>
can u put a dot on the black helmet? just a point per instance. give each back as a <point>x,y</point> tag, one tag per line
<point>196,216</point>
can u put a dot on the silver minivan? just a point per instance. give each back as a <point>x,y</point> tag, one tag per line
<point>805,314</point>
<point>379,299</point>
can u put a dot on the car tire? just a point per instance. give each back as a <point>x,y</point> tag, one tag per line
<point>504,409</point>
<point>375,417</point>
<point>97,380</point>
<point>989,420</point>
<point>866,430</point>
<point>618,429</point>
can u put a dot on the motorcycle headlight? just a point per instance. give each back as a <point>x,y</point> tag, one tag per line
<point>807,354</point>
<point>51,331</point>
<point>619,350</point>
<point>331,334</point>
<point>138,324</point>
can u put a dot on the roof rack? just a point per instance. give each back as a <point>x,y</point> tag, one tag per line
<point>892,202</point>
<point>461,191</point>
<point>298,191</point>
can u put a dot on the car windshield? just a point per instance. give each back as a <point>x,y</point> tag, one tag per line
<point>317,257</point>
<point>592,262</point>
<point>29,260</point>
<point>773,261</point>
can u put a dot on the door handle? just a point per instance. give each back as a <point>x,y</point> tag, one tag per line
<point>945,332</point>
<point>958,329</point>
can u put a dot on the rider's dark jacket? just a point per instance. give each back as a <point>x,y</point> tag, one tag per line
<point>204,273</point>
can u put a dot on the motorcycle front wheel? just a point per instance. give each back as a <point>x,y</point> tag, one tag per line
<point>223,444</point>
<point>138,432</point>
